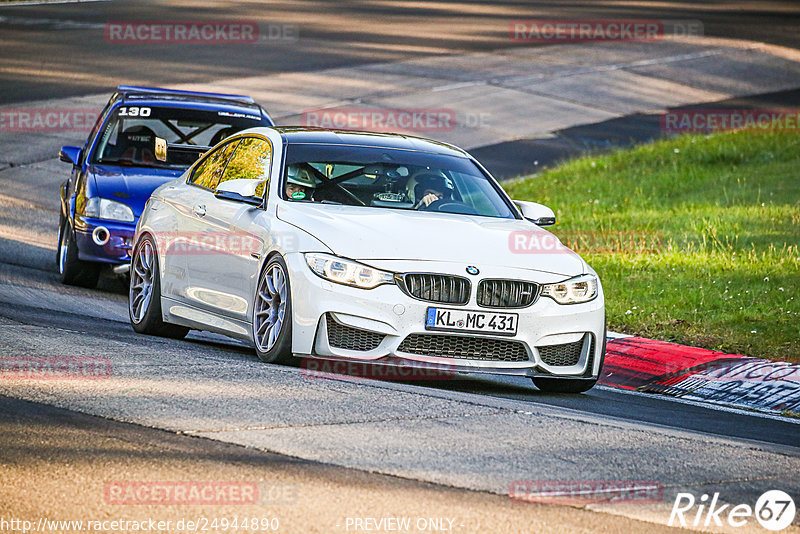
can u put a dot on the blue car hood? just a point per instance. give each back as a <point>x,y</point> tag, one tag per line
<point>129,185</point>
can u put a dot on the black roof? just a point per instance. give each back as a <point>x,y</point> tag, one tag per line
<point>320,136</point>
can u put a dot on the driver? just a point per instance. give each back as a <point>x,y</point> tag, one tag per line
<point>432,188</point>
<point>299,183</point>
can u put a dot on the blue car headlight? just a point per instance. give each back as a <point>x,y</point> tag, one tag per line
<point>103,208</point>
<point>347,272</point>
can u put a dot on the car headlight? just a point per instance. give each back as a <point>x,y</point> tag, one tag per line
<point>102,208</point>
<point>573,291</point>
<point>347,272</point>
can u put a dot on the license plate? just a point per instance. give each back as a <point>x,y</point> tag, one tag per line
<point>452,320</point>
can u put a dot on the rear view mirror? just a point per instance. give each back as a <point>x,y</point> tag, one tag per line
<point>538,214</point>
<point>70,154</point>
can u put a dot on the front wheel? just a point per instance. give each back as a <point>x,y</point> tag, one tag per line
<point>272,314</point>
<point>144,295</point>
<point>72,271</point>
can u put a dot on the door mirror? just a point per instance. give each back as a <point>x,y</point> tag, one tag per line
<point>70,154</point>
<point>241,190</point>
<point>538,214</point>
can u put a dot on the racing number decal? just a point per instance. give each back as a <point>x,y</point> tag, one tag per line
<point>134,111</point>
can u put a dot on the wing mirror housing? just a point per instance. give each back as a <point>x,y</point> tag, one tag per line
<point>538,214</point>
<point>70,154</point>
<point>240,190</point>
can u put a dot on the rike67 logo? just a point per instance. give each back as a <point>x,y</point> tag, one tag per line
<point>774,510</point>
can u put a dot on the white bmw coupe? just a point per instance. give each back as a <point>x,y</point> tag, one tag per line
<point>355,246</point>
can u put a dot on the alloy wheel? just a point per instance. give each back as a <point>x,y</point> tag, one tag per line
<point>270,306</point>
<point>141,289</point>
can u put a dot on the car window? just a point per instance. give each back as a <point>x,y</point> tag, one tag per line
<point>252,160</point>
<point>386,178</point>
<point>210,169</point>
<point>128,137</point>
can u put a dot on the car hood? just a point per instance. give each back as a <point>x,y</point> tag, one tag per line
<point>129,185</point>
<point>384,234</point>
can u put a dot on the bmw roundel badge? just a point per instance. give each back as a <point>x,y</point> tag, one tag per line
<point>472,270</point>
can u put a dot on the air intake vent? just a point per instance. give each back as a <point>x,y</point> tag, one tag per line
<point>507,293</point>
<point>439,288</point>
<point>464,348</point>
<point>346,337</point>
<point>561,355</point>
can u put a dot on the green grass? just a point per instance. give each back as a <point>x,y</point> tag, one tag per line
<point>695,238</point>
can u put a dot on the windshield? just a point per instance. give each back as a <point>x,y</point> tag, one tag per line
<point>129,136</point>
<point>390,179</point>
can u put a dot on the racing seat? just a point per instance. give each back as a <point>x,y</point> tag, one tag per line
<point>221,135</point>
<point>136,144</point>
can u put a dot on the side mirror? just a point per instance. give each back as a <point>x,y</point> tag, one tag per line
<point>538,214</point>
<point>240,190</point>
<point>70,154</point>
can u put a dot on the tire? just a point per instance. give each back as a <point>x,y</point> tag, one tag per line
<point>570,385</point>
<point>71,270</point>
<point>144,294</point>
<point>564,385</point>
<point>272,314</point>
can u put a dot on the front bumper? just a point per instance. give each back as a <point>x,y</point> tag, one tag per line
<point>391,314</point>
<point>118,248</point>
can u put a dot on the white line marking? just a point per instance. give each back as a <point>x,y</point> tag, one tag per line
<point>458,85</point>
<point>616,335</point>
<point>708,404</point>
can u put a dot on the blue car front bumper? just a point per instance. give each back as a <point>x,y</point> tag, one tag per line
<point>118,248</point>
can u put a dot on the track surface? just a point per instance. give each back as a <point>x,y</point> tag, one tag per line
<point>59,50</point>
<point>477,432</point>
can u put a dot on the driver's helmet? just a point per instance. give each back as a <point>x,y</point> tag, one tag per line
<point>436,182</point>
<point>295,174</point>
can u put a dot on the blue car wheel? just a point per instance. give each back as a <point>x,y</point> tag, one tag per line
<point>73,271</point>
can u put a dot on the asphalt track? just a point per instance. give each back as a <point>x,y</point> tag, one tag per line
<point>478,432</point>
<point>58,50</point>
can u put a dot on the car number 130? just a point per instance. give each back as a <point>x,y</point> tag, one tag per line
<point>134,111</point>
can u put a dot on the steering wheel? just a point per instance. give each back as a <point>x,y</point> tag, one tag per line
<point>450,206</point>
<point>339,187</point>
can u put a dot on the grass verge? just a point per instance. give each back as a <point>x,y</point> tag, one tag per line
<point>695,238</point>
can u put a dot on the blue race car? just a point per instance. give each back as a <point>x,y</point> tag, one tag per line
<point>144,137</point>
